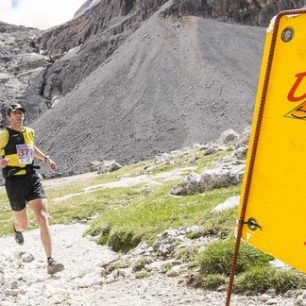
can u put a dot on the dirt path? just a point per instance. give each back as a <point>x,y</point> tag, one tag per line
<point>24,281</point>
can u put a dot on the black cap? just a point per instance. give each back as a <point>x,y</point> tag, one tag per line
<point>14,106</point>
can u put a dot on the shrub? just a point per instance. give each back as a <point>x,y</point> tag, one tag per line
<point>220,225</point>
<point>217,257</point>
<point>123,241</point>
<point>186,254</point>
<point>260,279</point>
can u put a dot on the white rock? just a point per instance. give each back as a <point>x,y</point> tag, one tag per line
<point>278,264</point>
<point>229,203</point>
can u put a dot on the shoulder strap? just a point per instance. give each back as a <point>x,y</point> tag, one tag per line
<point>4,139</point>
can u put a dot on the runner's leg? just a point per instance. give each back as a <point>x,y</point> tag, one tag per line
<point>21,220</point>
<point>39,207</point>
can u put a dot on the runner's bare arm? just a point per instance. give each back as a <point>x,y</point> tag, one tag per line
<point>3,141</point>
<point>44,157</point>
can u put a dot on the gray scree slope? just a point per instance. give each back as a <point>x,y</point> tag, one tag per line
<point>157,92</point>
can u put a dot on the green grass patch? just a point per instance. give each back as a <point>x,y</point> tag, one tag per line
<point>86,205</point>
<point>195,158</point>
<point>3,198</point>
<point>186,254</point>
<point>150,214</point>
<point>259,279</point>
<point>210,281</point>
<point>219,225</point>
<point>204,162</point>
<point>166,268</point>
<point>123,241</point>
<point>78,186</point>
<point>217,258</point>
<point>254,273</point>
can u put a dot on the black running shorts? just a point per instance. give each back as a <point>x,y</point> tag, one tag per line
<point>22,189</point>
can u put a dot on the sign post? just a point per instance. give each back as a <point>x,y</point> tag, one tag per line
<point>272,210</point>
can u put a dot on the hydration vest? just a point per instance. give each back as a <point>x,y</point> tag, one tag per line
<point>19,150</point>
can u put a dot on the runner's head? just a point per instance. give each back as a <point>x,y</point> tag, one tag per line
<point>14,107</point>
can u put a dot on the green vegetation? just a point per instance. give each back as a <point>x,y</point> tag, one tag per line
<point>149,215</point>
<point>211,281</point>
<point>259,279</point>
<point>186,254</point>
<point>121,217</point>
<point>218,256</point>
<point>255,275</point>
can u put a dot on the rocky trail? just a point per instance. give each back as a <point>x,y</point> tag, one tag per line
<point>24,281</point>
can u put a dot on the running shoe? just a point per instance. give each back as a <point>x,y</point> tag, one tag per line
<point>54,266</point>
<point>18,236</point>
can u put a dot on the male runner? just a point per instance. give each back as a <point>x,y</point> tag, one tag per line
<point>23,187</point>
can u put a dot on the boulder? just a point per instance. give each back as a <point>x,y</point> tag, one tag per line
<point>222,176</point>
<point>190,185</point>
<point>163,159</point>
<point>94,165</point>
<point>108,166</point>
<point>228,136</point>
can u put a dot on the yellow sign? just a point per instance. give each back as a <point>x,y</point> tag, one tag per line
<point>272,210</point>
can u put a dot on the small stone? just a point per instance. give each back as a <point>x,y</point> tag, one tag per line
<point>27,257</point>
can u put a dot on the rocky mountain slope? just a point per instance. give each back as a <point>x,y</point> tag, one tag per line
<point>21,68</point>
<point>168,86</point>
<point>101,27</point>
<point>129,79</point>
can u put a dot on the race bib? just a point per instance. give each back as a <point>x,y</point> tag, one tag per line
<point>25,153</point>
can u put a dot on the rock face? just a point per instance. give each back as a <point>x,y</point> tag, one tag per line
<point>100,27</point>
<point>250,12</point>
<point>21,68</point>
<point>139,77</point>
<point>84,43</point>
<point>86,7</point>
